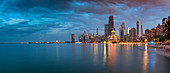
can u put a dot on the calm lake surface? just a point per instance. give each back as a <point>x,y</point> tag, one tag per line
<point>81,58</point>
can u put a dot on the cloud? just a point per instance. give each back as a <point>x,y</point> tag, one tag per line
<point>52,17</point>
<point>132,2</point>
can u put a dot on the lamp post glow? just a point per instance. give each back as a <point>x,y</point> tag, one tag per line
<point>146,40</point>
<point>152,43</point>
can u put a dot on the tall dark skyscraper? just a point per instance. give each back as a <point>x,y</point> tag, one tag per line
<point>109,28</point>
<point>111,24</point>
<point>122,32</point>
<point>141,30</point>
<point>132,33</point>
<point>97,31</point>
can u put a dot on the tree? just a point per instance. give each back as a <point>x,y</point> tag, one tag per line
<point>161,39</point>
<point>167,29</point>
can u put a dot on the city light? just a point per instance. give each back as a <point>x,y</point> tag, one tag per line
<point>113,30</point>
<point>78,42</point>
<point>146,40</point>
<point>152,43</point>
<point>109,35</point>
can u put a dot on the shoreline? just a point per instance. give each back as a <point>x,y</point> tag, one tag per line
<point>74,42</point>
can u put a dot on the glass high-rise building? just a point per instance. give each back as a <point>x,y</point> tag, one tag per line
<point>139,29</point>
<point>132,34</point>
<point>106,31</point>
<point>122,32</point>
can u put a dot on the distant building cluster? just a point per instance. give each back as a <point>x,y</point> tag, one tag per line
<point>125,35</point>
<point>91,38</point>
<point>157,31</point>
<point>131,34</point>
<point>96,37</point>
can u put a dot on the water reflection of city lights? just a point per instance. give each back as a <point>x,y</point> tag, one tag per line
<point>112,56</point>
<point>151,62</point>
<point>105,57</point>
<point>148,60</point>
<point>152,43</point>
<point>73,49</point>
<point>145,59</point>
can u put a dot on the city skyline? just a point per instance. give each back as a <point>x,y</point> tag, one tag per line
<point>85,36</point>
<point>34,20</point>
<point>126,35</point>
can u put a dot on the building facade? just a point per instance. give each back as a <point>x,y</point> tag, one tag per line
<point>132,34</point>
<point>139,29</point>
<point>147,34</point>
<point>153,32</point>
<point>122,32</point>
<point>157,31</point>
<point>73,38</point>
<point>106,31</point>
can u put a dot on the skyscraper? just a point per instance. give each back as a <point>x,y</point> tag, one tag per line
<point>97,32</point>
<point>132,34</point>
<point>139,29</point>
<point>111,26</point>
<point>111,22</point>
<point>73,38</point>
<point>109,29</point>
<point>106,31</point>
<point>128,29</point>
<point>122,32</point>
<point>164,20</point>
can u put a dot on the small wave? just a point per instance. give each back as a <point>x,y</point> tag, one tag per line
<point>157,51</point>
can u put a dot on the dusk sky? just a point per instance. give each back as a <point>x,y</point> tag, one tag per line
<point>50,20</point>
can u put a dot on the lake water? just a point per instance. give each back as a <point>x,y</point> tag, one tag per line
<point>81,58</point>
